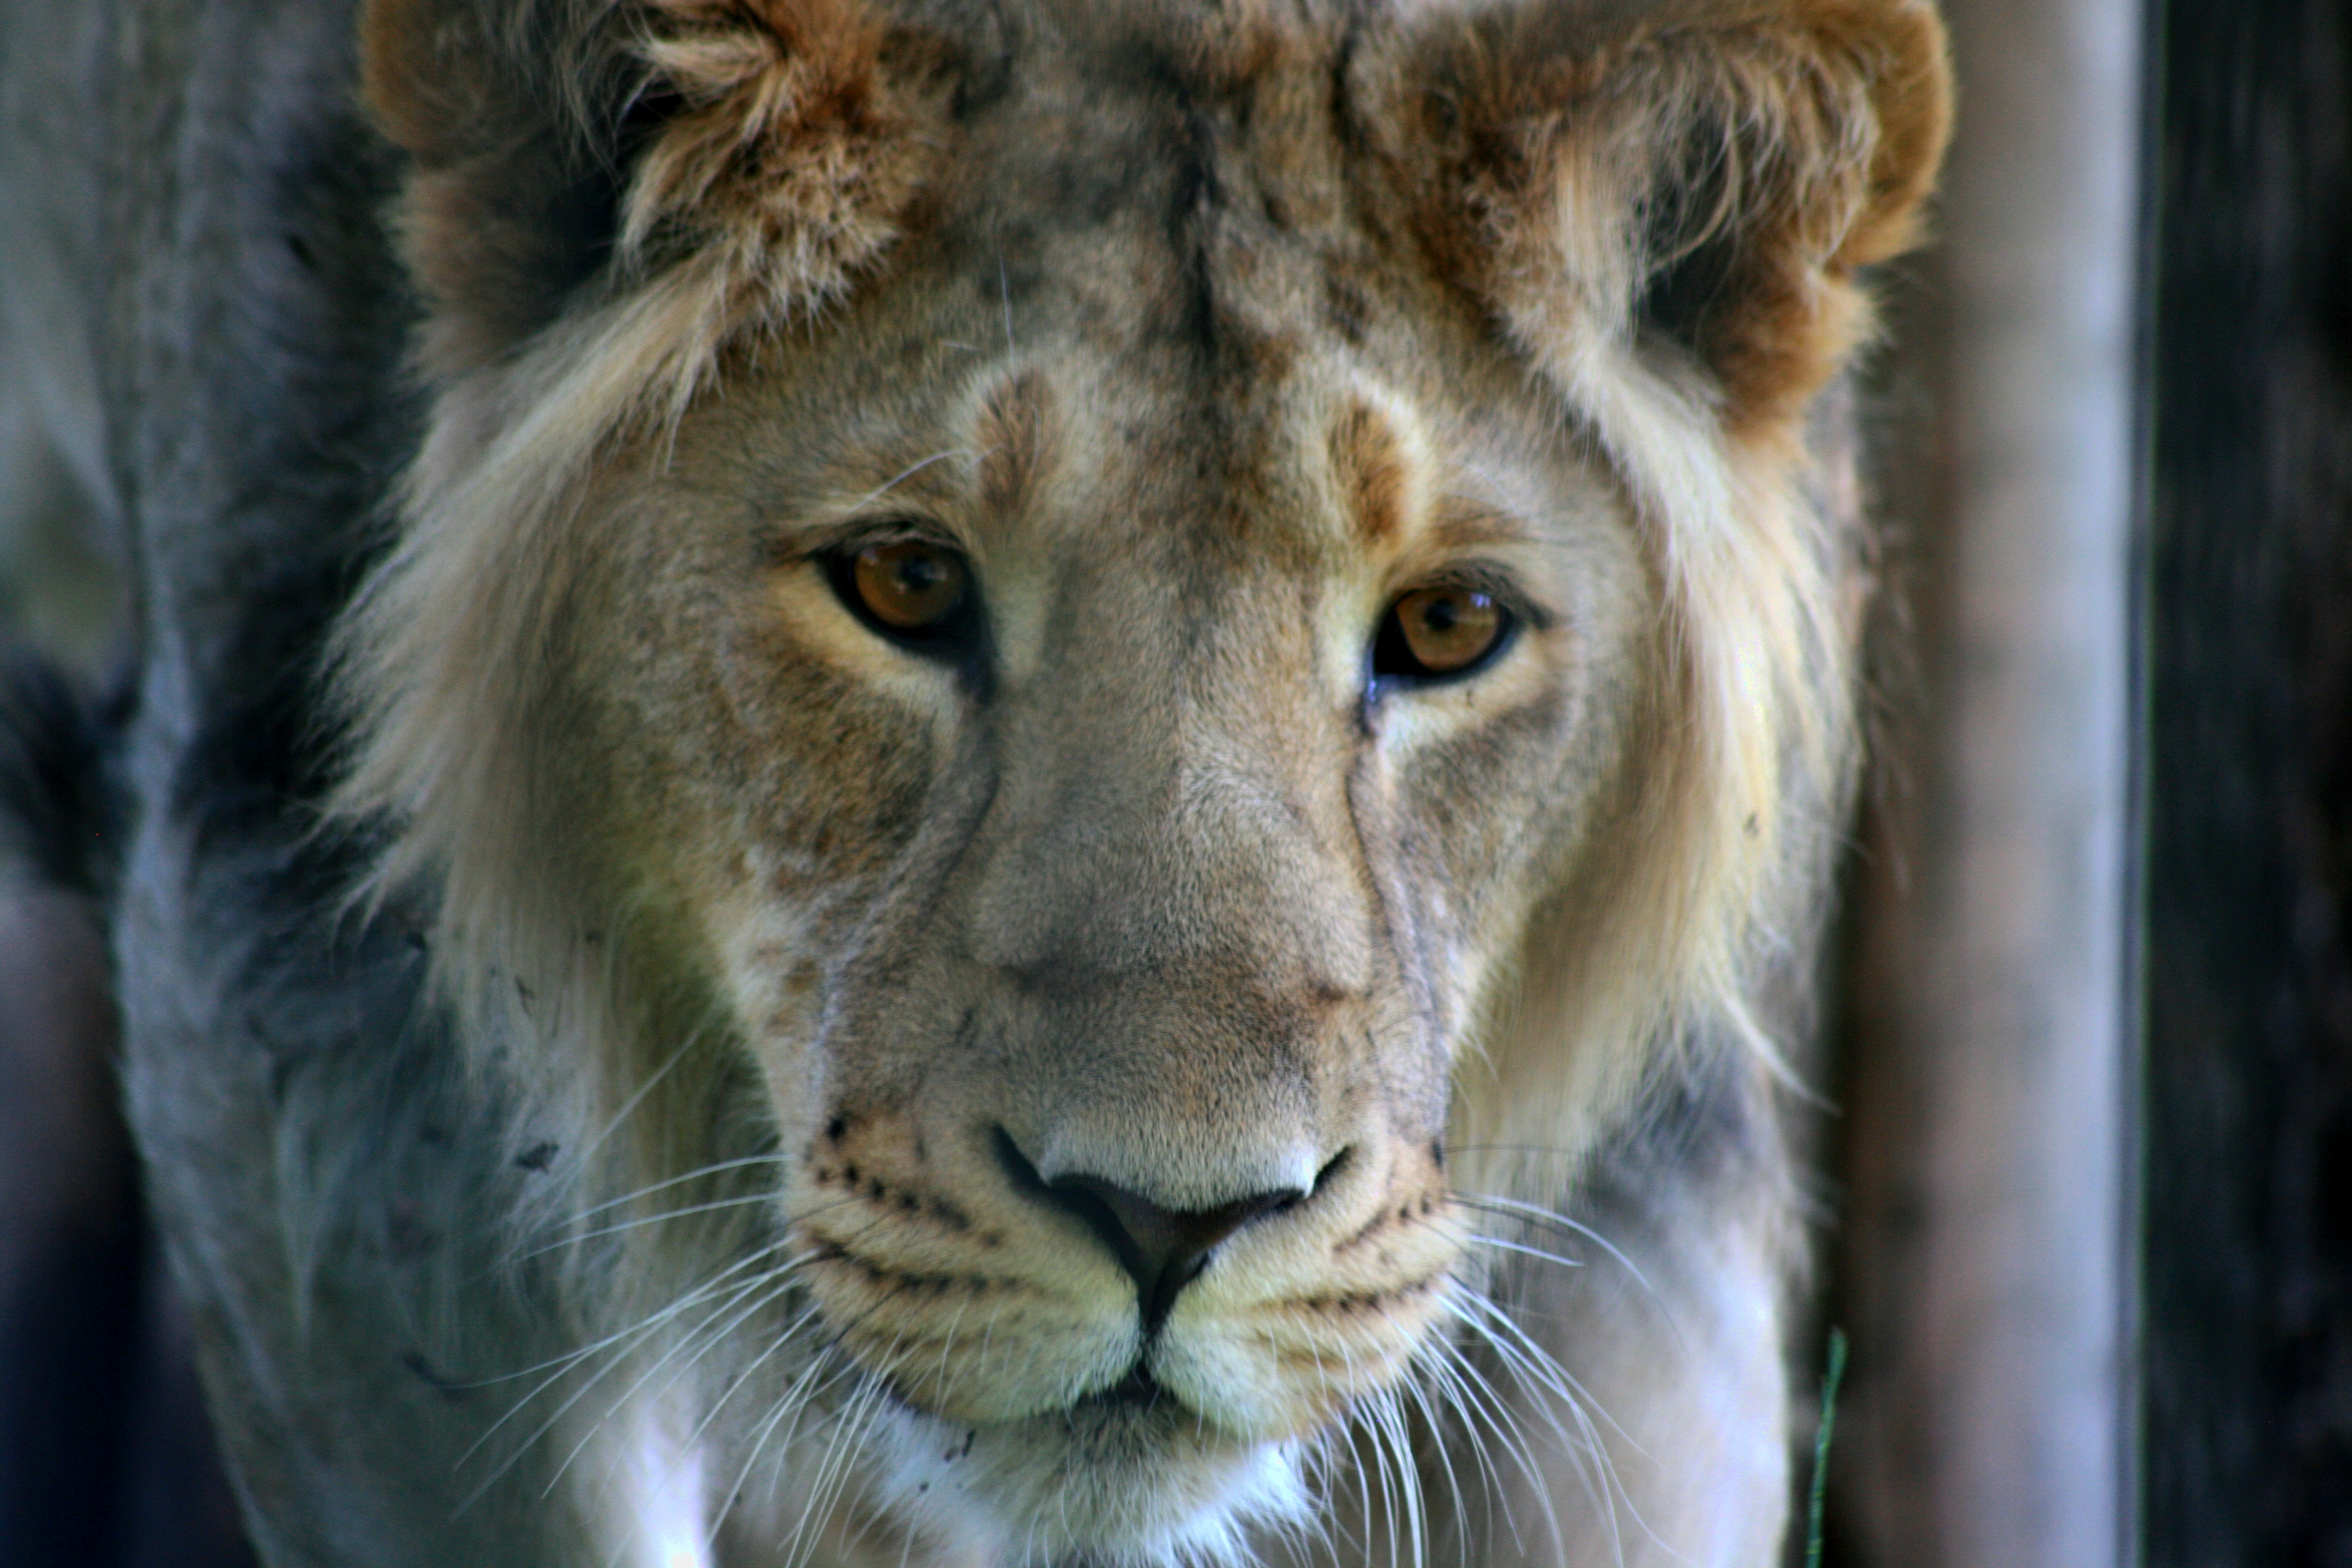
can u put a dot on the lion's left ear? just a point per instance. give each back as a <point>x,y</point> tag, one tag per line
<point>1694,181</point>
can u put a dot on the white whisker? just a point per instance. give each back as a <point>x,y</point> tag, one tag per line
<point>909,472</point>
<point>1538,1253</point>
<point>779,1283</point>
<point>622,1226</point>
<point>1538,1214</point>
<point>718,1168</point>
<point>625,1338</point>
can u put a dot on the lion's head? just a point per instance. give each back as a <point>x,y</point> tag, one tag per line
<point>1070,657</point>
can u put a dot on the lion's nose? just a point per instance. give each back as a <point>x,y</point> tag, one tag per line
<point>1162,1250</point>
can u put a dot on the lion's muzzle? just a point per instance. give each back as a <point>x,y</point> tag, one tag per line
<point>982,1287</point>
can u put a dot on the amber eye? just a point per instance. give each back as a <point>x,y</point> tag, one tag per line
<point>910,587</point>
<point>1433,632</point>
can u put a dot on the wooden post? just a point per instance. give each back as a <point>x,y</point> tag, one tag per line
<point>1984,1231</point>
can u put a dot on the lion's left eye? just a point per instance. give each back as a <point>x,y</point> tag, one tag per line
<point>909,589</point>
<point>1434,633</point>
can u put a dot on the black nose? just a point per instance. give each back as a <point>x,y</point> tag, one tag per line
<point>1162,1250</point>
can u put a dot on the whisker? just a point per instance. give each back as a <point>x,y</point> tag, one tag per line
<point>909,472</point>
<point>1428,1400</point>
<point>1561,1382</point>
<point>1392,1417</point>
<point>1383,1464</point>
<point>642,1220</point>
<point>834,1365</point>
<point>719,1168</point>
<point>634,1331</point>
<point>783,1338</point>
<point>849,1428</point>
<point>791,1402</point>
<point>694,1038</point>
<point>1538,1253</point>
<point>1539,1372</point>
<point>1572,1446</point>
<point>1363,1481</point>
<point>1489,1400</point>
<point>734,1293</point>
<point>1537,1212</point>
<point>1458,1413</point>
<point>779,1284</point>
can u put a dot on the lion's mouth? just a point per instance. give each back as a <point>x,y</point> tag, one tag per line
<point>1139,1390</point>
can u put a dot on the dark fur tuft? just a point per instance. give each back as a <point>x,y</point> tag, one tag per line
<point>59,818</point>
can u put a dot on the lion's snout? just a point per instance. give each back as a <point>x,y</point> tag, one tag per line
<point>1146,1044</point>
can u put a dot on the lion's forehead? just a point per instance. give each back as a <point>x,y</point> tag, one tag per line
<point>1142,311</point>
<point>1051,428</point>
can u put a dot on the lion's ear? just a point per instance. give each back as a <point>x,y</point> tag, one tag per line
<point>1694,182</point>
<point>769,147</point>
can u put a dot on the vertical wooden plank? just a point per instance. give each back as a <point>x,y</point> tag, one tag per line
<point>1984,1229</point>
<point>2249,1166</point>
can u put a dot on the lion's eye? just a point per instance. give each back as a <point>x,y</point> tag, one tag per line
<point>1433,632</point>
<point>910,587</point>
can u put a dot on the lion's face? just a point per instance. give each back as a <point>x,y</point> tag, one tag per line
<point>1103,707</point>
<point>1136,610</point>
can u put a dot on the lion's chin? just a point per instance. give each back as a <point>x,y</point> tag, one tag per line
<point>1111,1482</point>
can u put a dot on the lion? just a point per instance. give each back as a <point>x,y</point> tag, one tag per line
<point>992,783</point>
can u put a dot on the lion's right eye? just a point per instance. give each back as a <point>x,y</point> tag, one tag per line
<point>910,589</point>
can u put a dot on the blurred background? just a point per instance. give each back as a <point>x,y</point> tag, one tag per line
<point>2094,1216</point>
<point>2086,1190</point>
<point>106,1457</point>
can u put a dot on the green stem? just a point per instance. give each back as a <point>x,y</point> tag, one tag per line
<point>1822,1447</point>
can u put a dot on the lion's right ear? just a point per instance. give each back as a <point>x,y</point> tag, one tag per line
<point>758,152</point>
